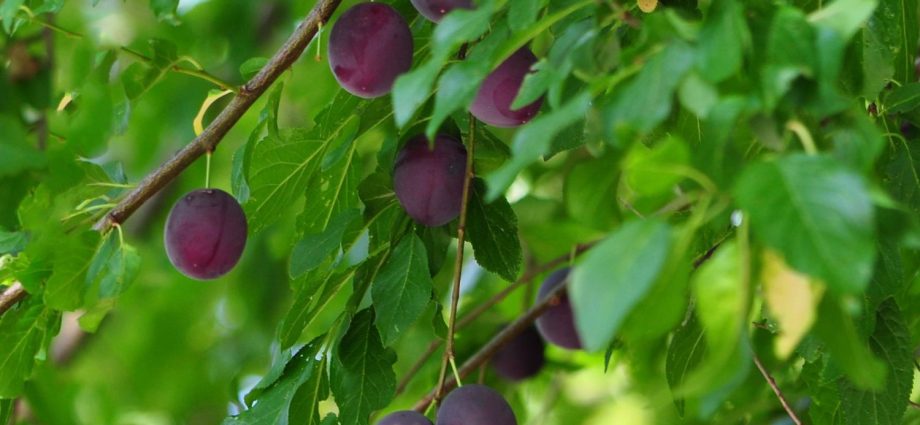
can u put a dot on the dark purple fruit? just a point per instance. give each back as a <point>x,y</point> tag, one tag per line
<point>205,233</point>
<point>434,10</point>
<point>493,101</point>
<point>475,405</point>
<point>557,324</point>
<point>429,182</point>
<point>520,358</point>
<point>369,47</point>
<point>404,417</point>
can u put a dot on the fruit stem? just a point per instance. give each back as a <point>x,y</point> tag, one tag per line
<point>453,366</point>
<point>319,42</point>
<point>207,170</point>
<point>458,263</point>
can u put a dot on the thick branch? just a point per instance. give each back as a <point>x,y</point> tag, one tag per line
<point>11,296</point>
<point>214,133</point>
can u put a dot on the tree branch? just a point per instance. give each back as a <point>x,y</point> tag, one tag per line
<point>508,333</point>
<point>777,391</point>
<point>11,296</point>
<point>212,135</point>
<point>468,318</point>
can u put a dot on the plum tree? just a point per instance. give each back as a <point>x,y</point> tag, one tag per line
<point>369,47</point>
<point>434,10</point>
<point>429,182</point>
<point>205,233</point>
<point>475,405</point>
<point>557,323</point>
<point>520,358</point>
<point>492,104</point>
<point>405,417</point>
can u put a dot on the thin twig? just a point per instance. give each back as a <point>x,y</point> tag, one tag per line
<point>458,263</point>
<point>15,293</point>
<point>468,318</point>
<point>490,348</point>
<point>214,133</point>
<point>777,391</point>
<point>913,404</point>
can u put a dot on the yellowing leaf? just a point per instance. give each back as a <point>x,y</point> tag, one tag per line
<point>792,298</point>
<point>213,95</point>
<point>647,6</point>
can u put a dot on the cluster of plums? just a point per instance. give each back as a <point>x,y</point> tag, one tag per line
<point>371,45</point>
<point>521,358</point>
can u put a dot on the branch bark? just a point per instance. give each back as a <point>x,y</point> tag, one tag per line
<point>777,391</point>
<point>11,296</point>
<point>208,140</point>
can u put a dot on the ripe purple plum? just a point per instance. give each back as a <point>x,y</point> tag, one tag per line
<point>369,47</point>
<point>557,323</point>
<point>405,417</point>
<point>522,357</point>
<point>474,404</point>
<point>434,10</point>
<point>205,233</point>
<point>429,182</point>
<point>492,104</point>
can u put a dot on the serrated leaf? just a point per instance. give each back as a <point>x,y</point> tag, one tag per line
<point>307,305</point>
<point>891,343</point>
<point>67,285</point>
<point>314,248</point>
<point>22,332</point>
<point>903,99</point>
<point>402,288</point>
<point>816,213</point>
<point>362,379</point>
<point>901,172</point>
<point>848,349</point>
<point>614,276</point>
<point>273,405</point>
<point>535,139</point>
<point>493,232</point>
<point>721,41</point>
<point>685,352</point>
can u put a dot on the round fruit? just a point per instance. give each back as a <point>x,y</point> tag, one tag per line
<point>404,417</point>
<point>520,358</point>
<point>475,405</point>
<point>492,104</point>
<point>557,324</point>
<point>429,182</point>
<point>205,233</point>
<point>369,47</point>
<point>434,10</point>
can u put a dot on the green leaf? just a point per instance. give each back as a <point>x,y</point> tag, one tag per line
<point>252,66</point>
<point>165,10</point>
<point>651,172</point>
<point>646,100</point>
<point>901,171</point>
<point>684,354</point>
<point>722,297</point>
<point>534,139</point>
<point>721,41</point>
<point>458,27</point>
<point>697,95</point>
<point>411,89</point>
<point>614,276</point>
<point>8,11</point>
<point>274,404</point>
<point>305,404</point>
<point>362,379</point>
<point>22,332</point>
<point>492,230</point>
<point>6,410</point>
<point>847,348</point>
<point>12,242</point>
<point>314,248</point>
<point>307,306</point>
<point>66,287</point>
<point>402,288</point>
<point>891,343</point>
<point>903,99</point>
<point>790,53</point>
<point>816,213</point>
<point>590,192</point>
<point>523,13</point>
